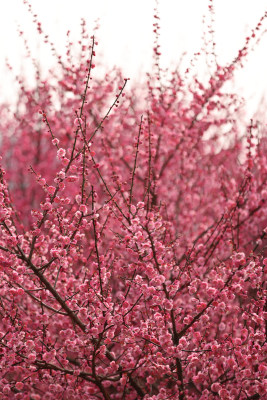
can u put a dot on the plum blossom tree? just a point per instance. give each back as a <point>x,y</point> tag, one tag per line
<point>132,237</point>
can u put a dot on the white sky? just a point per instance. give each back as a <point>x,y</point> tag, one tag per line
<point>126,39</point>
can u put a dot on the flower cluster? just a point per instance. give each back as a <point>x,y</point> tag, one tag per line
<point>132,238</point>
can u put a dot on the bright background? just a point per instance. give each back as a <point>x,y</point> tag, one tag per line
<point>126,39</point>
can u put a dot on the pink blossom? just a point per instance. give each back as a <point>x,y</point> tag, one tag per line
<point>19,385</point>
<point>55,142</point>
<point>32,357</point>
<point>61,153</point>
<point>83,208</point>
<point>51,190</point>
